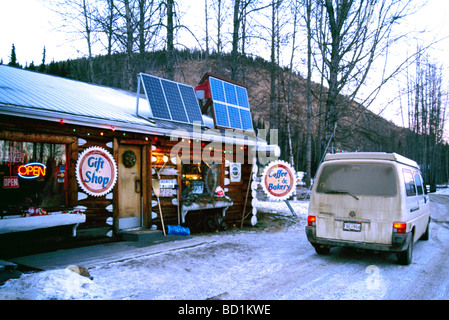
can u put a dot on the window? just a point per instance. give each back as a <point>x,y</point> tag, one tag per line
<point>33,175</point>
<point>364,179</point>
<point>410,187</point>
<point>200,179</point>
<point>419,184</point>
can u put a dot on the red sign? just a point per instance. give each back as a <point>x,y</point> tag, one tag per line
<point>279,180</point>
<point>10,182</point>
<point>96,171</point>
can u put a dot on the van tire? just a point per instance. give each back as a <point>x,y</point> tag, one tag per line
<point>405,257</point>
<point>321,249</point>
<point>425,235</point>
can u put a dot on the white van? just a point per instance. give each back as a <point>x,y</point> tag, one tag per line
<point>374,201</point>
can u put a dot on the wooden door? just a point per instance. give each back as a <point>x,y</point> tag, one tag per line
<point>130,186</point>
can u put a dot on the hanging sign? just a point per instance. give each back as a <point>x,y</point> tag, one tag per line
<point>236,172</point>
<point>32,170</point>
<point>96,171</point>
<point>10,182</point>
<point>278,180</point>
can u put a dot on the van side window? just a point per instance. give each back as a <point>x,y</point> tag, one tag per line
<point>419,184</point>
<point>409,181</point>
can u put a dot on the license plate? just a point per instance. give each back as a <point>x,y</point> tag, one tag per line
<point>352,226</point>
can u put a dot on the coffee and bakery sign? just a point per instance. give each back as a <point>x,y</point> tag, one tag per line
<point>278,180</point>
<point>96,171</point>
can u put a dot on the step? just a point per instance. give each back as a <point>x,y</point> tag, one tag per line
<point>142,235</point>
<point>6,265</point>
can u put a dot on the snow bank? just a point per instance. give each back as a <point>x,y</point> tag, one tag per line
<point>62,284</point>
<point>444,191</point>
<point>300,207</point>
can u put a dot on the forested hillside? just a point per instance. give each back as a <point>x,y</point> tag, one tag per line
<point>358,129</point>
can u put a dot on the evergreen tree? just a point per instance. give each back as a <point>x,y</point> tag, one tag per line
<point>13,62</point>
<point>41,68</point>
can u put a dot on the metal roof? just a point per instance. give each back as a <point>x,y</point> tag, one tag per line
<point>29,94</point>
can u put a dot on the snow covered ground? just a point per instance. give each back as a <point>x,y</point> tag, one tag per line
<point>147,277</point>
<point>272,261</point>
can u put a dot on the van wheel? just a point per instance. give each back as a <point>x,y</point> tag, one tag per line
<point>425,235</point>
<point>321,249</point>
<point>405,257</point>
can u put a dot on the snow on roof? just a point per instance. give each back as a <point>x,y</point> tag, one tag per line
<point>32,94</point>
<point>371,156</point>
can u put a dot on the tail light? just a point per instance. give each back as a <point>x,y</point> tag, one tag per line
<point>311,221</point>
<point>399,227</point>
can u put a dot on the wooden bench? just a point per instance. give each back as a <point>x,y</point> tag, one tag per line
<point>9,224</point>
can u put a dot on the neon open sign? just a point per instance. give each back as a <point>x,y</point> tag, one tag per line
<point>32,170</point>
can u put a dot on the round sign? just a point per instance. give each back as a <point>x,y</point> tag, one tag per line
<point>279,180</point>
<point>96,171</point>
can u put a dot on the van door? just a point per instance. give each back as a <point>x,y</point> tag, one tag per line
<point>355,201</point>
<point>412,201</point>
<point>423,203</point>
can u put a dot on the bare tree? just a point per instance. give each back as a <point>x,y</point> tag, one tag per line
<point>295,7</point>
<point>235,39</point>
<point>242,10</point>
<point>308,18</point>
<point>170,40</point>
<point>353,35</point>
<point>77,18</point>
<point>427,110</point>
<point>106,18</point>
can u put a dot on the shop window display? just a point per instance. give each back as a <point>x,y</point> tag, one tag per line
<point>33,176</point>
<point>200,181</point>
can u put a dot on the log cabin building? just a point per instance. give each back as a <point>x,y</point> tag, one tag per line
<point>174,155</point>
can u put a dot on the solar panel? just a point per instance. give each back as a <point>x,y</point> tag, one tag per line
<point>170,100</point>
<point>155,96</point>
<point>231,106</point>
<point>234,117</point>
<point>221,115</point>
<point>242,96</point>
<point>191,103</point>
<point>247,122</point>
<point>177,110</point>
<point>217,90</point>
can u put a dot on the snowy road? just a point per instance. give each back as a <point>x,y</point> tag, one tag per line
<point>274,263</point>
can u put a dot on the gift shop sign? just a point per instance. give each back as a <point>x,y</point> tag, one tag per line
<point>279,180</point>
<point>96,171</point>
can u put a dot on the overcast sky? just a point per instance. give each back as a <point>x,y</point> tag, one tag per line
<point>31,25</point>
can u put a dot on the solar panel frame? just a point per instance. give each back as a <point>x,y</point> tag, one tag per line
<point>170,100</point>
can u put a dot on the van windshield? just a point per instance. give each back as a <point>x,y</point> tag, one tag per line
<point>365,179</point>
